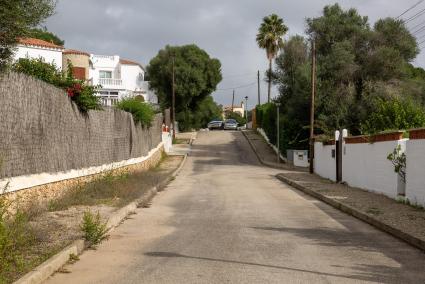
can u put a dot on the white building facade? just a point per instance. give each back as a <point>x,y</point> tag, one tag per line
<point>119,79</point>
<point>35,48</point>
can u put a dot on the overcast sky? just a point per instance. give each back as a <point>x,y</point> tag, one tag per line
<point>226,29</point>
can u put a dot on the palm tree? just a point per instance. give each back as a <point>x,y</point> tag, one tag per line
<point>270,37</point>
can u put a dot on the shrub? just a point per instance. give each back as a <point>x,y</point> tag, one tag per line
<point>142,112</point>
<point>78,91</point>
<point>95,231</point>
<point>398,159</point>
<point>394,114</point>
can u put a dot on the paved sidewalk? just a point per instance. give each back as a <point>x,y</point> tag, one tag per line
<point>403,221</point>
<point>265,153</point>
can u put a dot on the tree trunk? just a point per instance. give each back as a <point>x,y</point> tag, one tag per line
<point>270,79</point>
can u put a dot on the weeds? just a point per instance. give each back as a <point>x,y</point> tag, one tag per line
<point>109,189</point>
<point>15,239</point>
<point>95,231</point>
<point>407,202</point>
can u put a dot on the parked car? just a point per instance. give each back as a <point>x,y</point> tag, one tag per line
<point>215,124</point>
<point>230,124</point>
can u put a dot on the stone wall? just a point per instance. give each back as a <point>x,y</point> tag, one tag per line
<point>42,131</point>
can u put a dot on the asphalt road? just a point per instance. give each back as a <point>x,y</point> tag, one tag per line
<point>226,219</point>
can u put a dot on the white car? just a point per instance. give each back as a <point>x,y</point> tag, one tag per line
<point>230,124</point>
<point>215,124</point>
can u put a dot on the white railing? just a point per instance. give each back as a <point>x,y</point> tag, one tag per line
<point>110,82</point>
<point>110,57</point>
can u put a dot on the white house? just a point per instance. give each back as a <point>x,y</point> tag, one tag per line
<point>235,108</point>
<point>37,48</point>
<point>120,78</point>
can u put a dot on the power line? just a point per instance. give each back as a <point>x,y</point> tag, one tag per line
<point>416,26</point>
<point>238,87</point>
<point>418,31</point>
<point>415,16</point>
<point>411,8</point>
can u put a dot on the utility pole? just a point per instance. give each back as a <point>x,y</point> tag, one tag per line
<point>246,111</point>
<point>277,137</point>
<point>233,99</point>
<point>313,93</point>
<point>174,100</point>
<point>258,83</point>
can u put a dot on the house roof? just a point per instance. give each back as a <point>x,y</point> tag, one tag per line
<point>129,62</point>
<point>39,42</point>
<point>74,51</point>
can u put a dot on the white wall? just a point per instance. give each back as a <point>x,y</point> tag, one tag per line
<point>150,95</point>
<point>324,164</point>
<point>415,171</point>
<point>132,77</point>
<point>365,165</point>
<point>104,63</point>
<point>48,55</point>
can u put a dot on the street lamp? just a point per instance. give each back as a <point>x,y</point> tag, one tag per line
<point>278,126</point>
<point>246,112</point>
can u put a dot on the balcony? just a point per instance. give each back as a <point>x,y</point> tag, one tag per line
<point>110,83</point>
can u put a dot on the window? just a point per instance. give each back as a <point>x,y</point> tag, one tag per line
<point>105,74</point>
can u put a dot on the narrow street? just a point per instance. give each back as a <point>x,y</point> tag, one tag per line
<point>227,219</point>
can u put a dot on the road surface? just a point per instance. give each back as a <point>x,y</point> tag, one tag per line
<point>227,219</point>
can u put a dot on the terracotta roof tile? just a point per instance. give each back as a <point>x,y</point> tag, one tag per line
<point>73,51</point>
<point>129,62</point>
<point>38,42</point>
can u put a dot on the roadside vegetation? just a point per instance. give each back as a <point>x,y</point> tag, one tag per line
<point>78,91</point>
<point>32,232</point>
<point>142,112</point>
<point>366,82</point>
<point>93,228</point>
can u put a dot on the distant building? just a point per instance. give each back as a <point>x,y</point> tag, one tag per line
<point>36,48</point>
<point>80,61</point>
<point>236,108</point>
<point>119,78</point>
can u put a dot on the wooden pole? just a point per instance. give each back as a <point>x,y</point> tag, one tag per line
<point>174,100</point>
<point>233,99</point>
<point>258,83</point>
<point>313,93</point>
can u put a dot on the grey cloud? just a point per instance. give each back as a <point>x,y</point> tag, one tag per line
<point>137,29</point>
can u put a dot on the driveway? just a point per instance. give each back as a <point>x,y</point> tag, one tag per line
<point>227,219</point>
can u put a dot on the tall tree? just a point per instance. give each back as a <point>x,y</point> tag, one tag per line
<point>17,17</point>
<point>196,77</point>
<point>270,37</point>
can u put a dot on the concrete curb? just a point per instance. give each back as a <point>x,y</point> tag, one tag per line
<point>265,163</point>
<point>50,266</point>
<point>412,240</point>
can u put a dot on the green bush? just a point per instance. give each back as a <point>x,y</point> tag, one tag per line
<point>394,114</point>
<point>78,91</point>
<point>15,239</point>
<point>95,231</point>
<point>142,112</point>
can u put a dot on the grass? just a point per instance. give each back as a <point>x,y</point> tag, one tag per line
<point>17,242</point>
<point>374,211</point>
<point>109,189</point>
<point>181,141</point>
